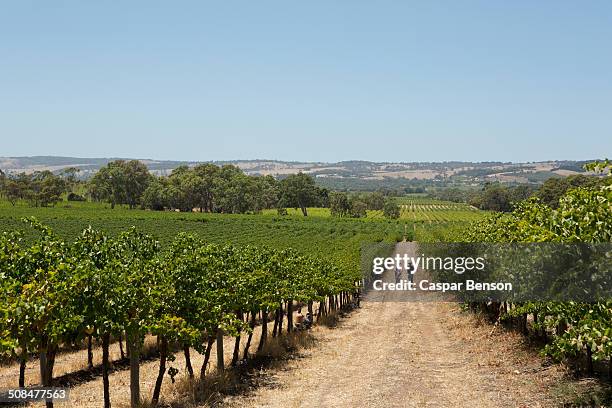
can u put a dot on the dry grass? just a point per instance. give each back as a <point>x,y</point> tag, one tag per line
<point>193,392</point>
<point>86,389</point>
<point>330,320</point>
<point>282,347</point>
<point>67,362</point>
<point>518,359</point>
<point>190,393</point>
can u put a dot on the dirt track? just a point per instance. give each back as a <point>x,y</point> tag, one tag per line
<point>410,354</point>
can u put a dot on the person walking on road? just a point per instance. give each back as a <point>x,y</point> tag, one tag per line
<point>410,272</point>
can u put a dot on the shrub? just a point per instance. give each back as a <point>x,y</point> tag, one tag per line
<point>75,197</point>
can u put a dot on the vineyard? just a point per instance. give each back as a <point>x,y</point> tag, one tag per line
<point>372,215</point>
<point>129,283</point>
<point>188,294</point>
<point>338,239</point>
<point>421,209</point>
<point>189,279</point>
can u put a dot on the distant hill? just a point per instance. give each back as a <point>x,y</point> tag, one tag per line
<point>350,174</point>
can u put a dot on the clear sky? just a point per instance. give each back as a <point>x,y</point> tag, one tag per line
<point>307,80</point>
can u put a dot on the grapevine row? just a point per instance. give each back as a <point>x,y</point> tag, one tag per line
<point>189,293</point>
<point>570,329</point>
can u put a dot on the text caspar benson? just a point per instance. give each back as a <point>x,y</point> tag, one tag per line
<point>410,264</point>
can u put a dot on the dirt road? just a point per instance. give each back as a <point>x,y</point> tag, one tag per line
<point>409,354</point>
<point>400,355</point>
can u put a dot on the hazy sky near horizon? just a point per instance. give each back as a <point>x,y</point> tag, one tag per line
<point>311,81</point>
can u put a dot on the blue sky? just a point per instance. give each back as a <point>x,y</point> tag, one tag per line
<point>315,81</point>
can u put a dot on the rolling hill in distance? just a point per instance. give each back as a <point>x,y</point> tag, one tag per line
<point>346,174</point>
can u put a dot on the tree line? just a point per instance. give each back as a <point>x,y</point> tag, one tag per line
<point>502,198</point>
<point>342,204</point>
<point>40,188</point>
<point>204,187</point>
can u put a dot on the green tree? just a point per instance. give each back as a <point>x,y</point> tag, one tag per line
<point>554,188</point>
<point>120,182</point>
<point>322,197</point>
<point>41,188</point>
<point>520,193</point>
<point>494,197</point>
<point>298,191</point>
<point>376,201</point>
<point>3,180</point>
<point>358,208</point>
<point>185,186</point>
<point>69,175</point>
<point>12,191</point>
<point>391,209</point>
<point>109,183</point>
<point>155,196</point>
<point>339,204</point>
<point>207,174</point>
<point>232,188</point>
<point>137,179</point>
<point>51,189</point>
<point>265,191</point>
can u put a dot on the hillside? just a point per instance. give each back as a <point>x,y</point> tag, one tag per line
<point>358,175</point>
